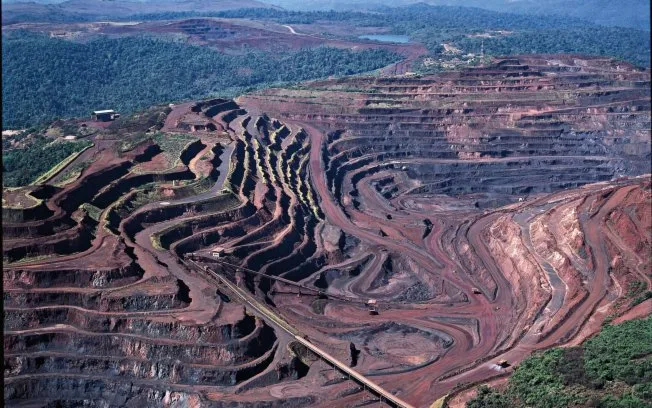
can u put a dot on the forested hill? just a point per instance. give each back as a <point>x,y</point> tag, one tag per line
<point>523,34</point>
<point>45,78</point>
<point>623,13</point>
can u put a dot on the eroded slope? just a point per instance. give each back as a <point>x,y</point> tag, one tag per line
<point>488,213</point>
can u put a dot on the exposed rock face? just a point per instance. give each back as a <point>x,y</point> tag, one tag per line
<point>422,226</point>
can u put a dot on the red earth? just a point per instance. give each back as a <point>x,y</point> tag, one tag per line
<point>487,213</point>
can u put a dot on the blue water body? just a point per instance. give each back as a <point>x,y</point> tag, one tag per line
<point>392,38</point>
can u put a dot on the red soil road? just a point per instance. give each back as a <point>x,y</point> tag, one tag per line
<point>480,306</point>
<point>493,317</point>
<point>504,326</point>
<point>580,317</point>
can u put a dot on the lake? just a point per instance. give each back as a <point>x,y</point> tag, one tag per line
<point>392,38</point>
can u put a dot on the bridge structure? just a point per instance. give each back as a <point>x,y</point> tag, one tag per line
<point>300,286</point>
<point>274,319</point>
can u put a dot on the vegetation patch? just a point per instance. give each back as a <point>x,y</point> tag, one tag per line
<point>58,167</point>
<point>638,293</point>
<point>130,143</point>
<point>27,259</point>
<point>476,31</point>
<point>137,200</point>
<point>173,145</point>
<point>612,369</point>
<point>44,78</point>
<point>92,211</point>
<point>71,174</point>
<point>38,158</point>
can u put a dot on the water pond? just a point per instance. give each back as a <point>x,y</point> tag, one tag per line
<point>390,38</point>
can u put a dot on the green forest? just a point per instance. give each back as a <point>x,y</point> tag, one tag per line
<point>23,166</point>
<point>45,78</point>
<point>610,370</point>
<point>432,25</point>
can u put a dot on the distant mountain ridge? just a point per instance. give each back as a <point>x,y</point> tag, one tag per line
<point>621,13</point>
<point>16,11</point>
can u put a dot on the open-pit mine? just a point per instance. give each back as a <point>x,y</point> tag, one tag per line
<point>364,241</point>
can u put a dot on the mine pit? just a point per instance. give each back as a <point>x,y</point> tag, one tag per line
<point>402,234</point>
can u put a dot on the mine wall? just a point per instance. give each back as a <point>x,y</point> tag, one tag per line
<point>69,241</point>
<point>135,223</point>
<point>280,249</point>
<point>115,190</point>
<point>412,213</point>
<point>189,227</point>
<point>98,391</point>
<point>213,236</point>
<point>215,110</point>
<point>112,345</point>
<point>66,202</point>
<point>90,185</point>
<point>92,300</point>
<point>19,215</point>
<point>88,320</point>
<point>11,230</point>
<point>101,278</point>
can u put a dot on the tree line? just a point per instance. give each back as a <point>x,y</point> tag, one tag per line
<point>610,370</point>
<point>45,78</point>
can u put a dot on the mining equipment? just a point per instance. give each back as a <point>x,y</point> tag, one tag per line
<point>218,252</point>
<point>371,306</point>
